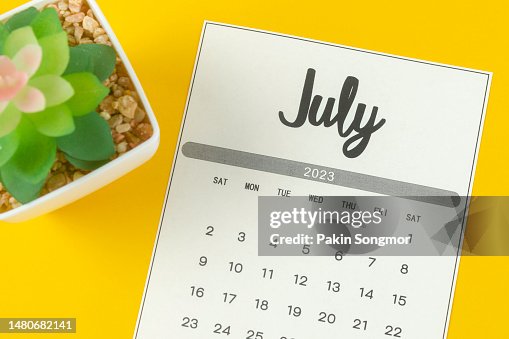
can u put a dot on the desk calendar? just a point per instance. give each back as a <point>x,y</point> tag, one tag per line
<point>275,115</point>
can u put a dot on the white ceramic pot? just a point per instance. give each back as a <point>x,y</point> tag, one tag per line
<point>105,174</point>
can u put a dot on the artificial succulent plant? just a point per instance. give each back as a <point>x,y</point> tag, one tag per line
<point>49,93</point>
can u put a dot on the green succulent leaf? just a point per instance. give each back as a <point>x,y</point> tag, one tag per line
<point>88,93</point>
<point>86,165</point>
<point>90,141</point>
<point>54,121</point>
<point>9,119</point>
<point>33,158</point>
<point>21,19</point>
<point>18,39</point>
<point>22,190</point>
<point>8,146</point>
<point>46,23</point>
<point>56,90</point>
<point>55,54</point>
<point>94,58</point>
<point>4,33</point>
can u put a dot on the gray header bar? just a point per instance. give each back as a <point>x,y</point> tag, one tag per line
<point>325,175</point>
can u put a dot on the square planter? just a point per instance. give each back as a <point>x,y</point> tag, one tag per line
<point>110,171</point>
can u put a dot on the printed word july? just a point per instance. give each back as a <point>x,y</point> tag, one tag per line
<point>358,136</point>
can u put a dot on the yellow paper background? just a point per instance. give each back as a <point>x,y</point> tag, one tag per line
<point>89,260</point>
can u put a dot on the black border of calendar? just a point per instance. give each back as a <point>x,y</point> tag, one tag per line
<point>206,23</point>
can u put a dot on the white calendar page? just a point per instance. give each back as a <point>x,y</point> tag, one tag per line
<point>252,121</point>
